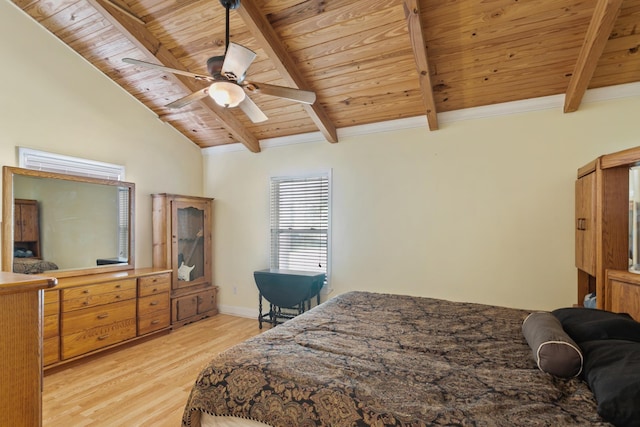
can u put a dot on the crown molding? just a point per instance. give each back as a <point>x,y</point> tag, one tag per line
<point>611,92</point>
<point>514,107</point>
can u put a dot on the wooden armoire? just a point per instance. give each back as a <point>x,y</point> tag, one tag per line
<point>182,243</point>
<point>602,221</point>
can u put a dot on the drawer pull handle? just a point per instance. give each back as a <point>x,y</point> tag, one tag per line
<point>103,337</point>
<point>155,322</point>
<point>154,290</point>
<point>117,297</point>
<point>103,315</point>
<point>86,291</point>
<point>153,303</point>
<point>118,286</point>
<point>85,302</point>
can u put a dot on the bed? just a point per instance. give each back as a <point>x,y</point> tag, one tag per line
<point>365,358</point>
<point>32,265</point>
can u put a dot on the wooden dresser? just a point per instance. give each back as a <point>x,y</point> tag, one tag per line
<point>21,348</point>
<point>88,314</point>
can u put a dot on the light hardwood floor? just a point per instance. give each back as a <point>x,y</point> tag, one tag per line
<point>146,384</point>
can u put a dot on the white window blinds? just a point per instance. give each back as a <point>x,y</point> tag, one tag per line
<point>58,163</point>
<point>123,223</point>
<point>300,223</point>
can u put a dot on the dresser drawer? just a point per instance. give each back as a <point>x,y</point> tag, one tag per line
<point>94,317</point>
<point>153,303</point>
<point>51,326</point>
<point>94,295</point>
<point>51,350</point>
<point>153,322</point>
<point>51,302</point>
<point>95,338</point>
<point>151,285</point>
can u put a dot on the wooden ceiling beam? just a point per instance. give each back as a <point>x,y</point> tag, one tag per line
<point>416,34</point>
<point>144,40</point>
<point>600,27</point>
<point>267,38</point>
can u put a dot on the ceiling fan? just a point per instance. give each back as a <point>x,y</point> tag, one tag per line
<point>227,78</point>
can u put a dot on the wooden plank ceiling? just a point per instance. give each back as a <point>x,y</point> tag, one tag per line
<point>367,60</point>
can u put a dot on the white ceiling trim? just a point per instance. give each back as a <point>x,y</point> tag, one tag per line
<point>503,109</point>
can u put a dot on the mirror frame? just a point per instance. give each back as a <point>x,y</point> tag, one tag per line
<point>8,173</point>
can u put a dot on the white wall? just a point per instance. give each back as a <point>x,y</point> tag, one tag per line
<point>480,210</point>
<point>52,99</point>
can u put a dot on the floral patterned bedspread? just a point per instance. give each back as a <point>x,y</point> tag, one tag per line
<point>365,359</point>
<point>32,265</point>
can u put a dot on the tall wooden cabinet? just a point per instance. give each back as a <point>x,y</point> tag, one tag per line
<point>602,221</point>
<point>182,243</point>
<point>26,230</point>
<point>21,324</point>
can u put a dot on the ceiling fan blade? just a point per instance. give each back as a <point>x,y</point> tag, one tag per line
<point>195,96</point>
<point>297,95</point>
<point>167,69</point>
<point>237,60</point>
<point>252,110</point>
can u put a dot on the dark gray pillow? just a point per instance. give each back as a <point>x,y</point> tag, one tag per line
<point>586,324</point>
<point>553,350</point>
<point>612,370</point>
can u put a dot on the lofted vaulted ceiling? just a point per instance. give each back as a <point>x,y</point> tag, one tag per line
<point>367,61</point>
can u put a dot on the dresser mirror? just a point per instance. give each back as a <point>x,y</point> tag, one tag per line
<point>65,225</point>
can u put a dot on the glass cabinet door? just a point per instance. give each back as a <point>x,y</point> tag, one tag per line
<point>191,259</point>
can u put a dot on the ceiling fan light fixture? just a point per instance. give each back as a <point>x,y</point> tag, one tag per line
<point>226,94</point>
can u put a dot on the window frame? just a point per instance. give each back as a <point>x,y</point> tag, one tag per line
<point>45,161</point>
<point>273,210</point>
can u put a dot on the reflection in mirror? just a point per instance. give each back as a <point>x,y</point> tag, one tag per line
<point>66,225</point>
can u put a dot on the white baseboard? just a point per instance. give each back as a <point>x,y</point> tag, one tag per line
<point>239,311</point>
<point>252,313</point>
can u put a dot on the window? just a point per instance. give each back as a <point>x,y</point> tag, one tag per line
<point>300,219</point>
<point>52,162</point>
